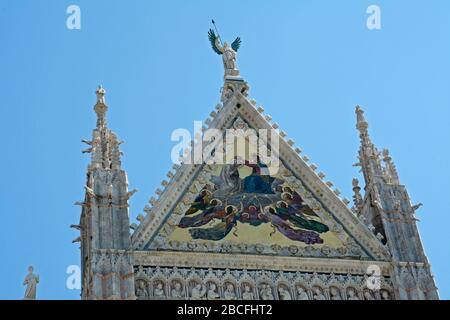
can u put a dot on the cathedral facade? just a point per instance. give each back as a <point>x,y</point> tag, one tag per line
<point>242,230</point>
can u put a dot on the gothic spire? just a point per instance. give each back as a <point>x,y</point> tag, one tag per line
<point>104,145</point>
<point>104,222</point>
<point>369,157</point>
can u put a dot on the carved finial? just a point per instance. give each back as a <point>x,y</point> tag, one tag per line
<point>153,201</point>
<point>390,170</point>
<point>369,159</point>
<point>100,107</point>
<point>361,123</point>
<point>114,153</point>
<point>357,198</point>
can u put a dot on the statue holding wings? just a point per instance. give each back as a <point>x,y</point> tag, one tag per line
<point>228,52</point>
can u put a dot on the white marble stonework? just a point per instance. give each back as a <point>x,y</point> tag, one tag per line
<point>193,283</point>
<point>378,234</point>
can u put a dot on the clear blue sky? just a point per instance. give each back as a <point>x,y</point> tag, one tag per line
<point>307,62</point>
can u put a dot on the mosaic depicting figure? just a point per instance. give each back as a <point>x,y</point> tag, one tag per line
<point>246,193</point>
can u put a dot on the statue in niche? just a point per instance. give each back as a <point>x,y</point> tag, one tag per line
<point>159,289</point>
<point>229,293</point>
<point>351,294</point>
<point>31,281</point>
<point>266,292</point>
<point>198,292</point>
<point>248,292</point>
<point>318,294</point>
<point>368,295</point>
<point>177,290</point>
<point>141,290</point>
<point>335,294</point>
<point>385,295</point>
<point>284,294</point>
<point>212,293</point>
<point>302,294</point>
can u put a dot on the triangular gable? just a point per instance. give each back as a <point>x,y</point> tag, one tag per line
<point>322,226</point>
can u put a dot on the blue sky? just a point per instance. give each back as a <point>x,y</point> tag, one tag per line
<point>307,62</point>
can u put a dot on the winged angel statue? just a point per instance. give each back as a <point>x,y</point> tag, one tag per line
<point>228,52</point>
